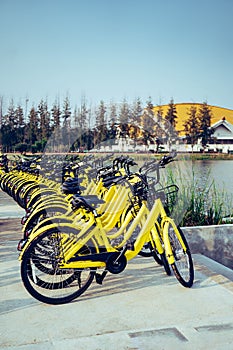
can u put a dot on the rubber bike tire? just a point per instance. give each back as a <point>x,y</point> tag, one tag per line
<point>44,280</point>
<point>36,197</point>
<point>19,194</point>
<point>159,258</point>
<point>183,267</point>
<point>162,256</point>
<point>42,214</point>
<point>12,185</point>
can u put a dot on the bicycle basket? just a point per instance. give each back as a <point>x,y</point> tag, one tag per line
<point>168,196</point>
<point>138,193</point>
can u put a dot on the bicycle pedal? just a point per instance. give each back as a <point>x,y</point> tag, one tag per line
<point>100,277</point>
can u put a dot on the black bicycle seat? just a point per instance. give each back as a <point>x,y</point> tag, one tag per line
<point>71,181</point>
<point>87,202</point>
<point>112,180</point>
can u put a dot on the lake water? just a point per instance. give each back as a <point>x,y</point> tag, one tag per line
<point>219,171</point>
<point>206,172</point>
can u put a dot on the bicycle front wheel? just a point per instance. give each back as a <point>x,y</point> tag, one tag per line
<point>183,265</point>
<point>43,278</point>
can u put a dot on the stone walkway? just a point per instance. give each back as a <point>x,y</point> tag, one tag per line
<point>139,309</point>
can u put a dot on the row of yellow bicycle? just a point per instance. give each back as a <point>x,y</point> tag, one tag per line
<point>87,218</point>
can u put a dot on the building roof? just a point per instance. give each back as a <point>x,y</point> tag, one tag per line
<point>223,122</point>
<point>223,130</point>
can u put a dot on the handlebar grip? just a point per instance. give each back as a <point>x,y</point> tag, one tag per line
<point>148,164</point>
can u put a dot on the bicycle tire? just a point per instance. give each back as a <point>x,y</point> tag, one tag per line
<point>183,266</point>
<point>146,252</point>
<point>37,196</point>
<point>165,264</point>
<point>160,258</point>
<point>42,277</point>
<point>41,215</point>
<point>20,192</point>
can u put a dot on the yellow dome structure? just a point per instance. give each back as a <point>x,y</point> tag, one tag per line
<point>182,110</point>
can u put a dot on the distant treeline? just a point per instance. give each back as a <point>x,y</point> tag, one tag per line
<point>84,127</point>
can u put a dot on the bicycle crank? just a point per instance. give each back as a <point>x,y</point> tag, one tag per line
<point>116,264</point>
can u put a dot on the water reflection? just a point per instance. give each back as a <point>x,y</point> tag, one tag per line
<point>217,171</point>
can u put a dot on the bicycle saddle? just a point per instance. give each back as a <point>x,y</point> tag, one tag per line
<point>112,180</point>
<point>71,181</point>
<point>71,186</point>
<point>88,202</point>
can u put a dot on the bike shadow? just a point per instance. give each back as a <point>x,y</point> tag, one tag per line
<point>13,305</point>
<point>144,272</point>
<point>140,273</point>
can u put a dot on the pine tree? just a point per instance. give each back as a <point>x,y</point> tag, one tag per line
<point>112,120</point>
<point>75,117</point>
<point>171,114</point>
<point>159,128</point>
<point>148,123</point>
<point>89,139</point>
<point>66,124</point>
<point>9,128</point>
<point>124,118</point>
<point>19,124</point>
<point>101,123</point>
<point>56,126</point>
<point>101,114</point>
<point>136,112</point>
<point>170,124</point>
<point>9,117</point>
<point>44,121</point>
<point>33,127</point>
<point>191,126</point>
<point>66,113</point>
<point>83,116</point>
<point>81,121</point>
<point>204,116</point>
<point>135,119</point>
<point>56,115</point>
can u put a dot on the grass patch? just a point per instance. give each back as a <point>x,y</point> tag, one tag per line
<point>199,201</point>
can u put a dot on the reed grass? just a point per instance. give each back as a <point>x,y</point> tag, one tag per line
<point>200,202</point>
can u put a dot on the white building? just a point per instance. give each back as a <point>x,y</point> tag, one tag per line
<point>223,132</point>
<point>222,136</point>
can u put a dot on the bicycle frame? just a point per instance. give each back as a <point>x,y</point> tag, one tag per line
<point>100,238</point>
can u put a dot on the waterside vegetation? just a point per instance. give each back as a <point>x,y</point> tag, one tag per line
<point>200,202</point>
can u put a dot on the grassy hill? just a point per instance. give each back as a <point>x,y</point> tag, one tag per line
<point>182,113</point>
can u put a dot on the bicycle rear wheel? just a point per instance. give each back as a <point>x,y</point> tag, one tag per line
<point>40,215</point>
<point>43,278</point>
<point>183,265</point>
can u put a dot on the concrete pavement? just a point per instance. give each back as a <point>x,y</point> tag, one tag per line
<point>9,208</point>
<point>139,309</point>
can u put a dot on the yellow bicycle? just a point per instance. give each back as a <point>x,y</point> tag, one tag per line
<point>59,262</point>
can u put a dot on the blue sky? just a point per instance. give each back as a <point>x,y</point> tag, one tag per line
<point>111,50</point>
